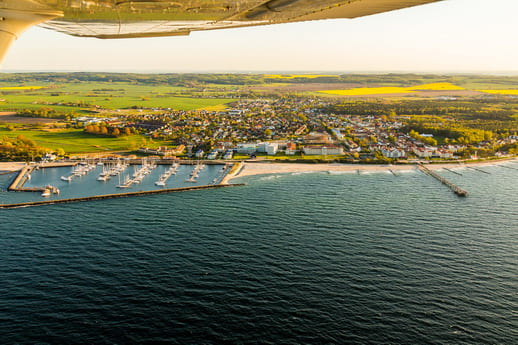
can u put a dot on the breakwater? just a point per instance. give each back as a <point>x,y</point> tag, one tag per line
<point>117,195</point>
<point>19,180</point>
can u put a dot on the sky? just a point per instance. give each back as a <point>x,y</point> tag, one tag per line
<point>452,36</point>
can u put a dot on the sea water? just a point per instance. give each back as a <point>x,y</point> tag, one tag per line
<point>296,259</point>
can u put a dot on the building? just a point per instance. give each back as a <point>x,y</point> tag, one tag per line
<point>268,148</point>
<point>291,149</point>
<point>317,138</point>
<point>323,150</point>
<point>246,148</point>
<point>228,154</point>
<point>423,152</point>
<point>212,155</point>
<point>393,152</point>
<point>199,154</point>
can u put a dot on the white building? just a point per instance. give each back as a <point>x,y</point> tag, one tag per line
<point>393,152</point>
<point>271,149</point>
<point>199,154</point>
<point>268,148</point>
<point>212,155</point>
<point>423,152</point>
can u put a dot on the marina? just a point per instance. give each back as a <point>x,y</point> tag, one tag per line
<point>78,181</point>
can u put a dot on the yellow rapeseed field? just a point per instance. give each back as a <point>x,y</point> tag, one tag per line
<point>366,91</point>
<point>501,92</point>
<point>436,87</point>
<point>21,87</point>
<point>292,76</point>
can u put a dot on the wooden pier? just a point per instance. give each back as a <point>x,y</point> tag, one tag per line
<point>455,189</point>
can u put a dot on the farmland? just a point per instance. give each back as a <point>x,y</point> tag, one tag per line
<point>78,97</point>
<point>387,90</point>
<point>108,112</point>
<point>501,92</point>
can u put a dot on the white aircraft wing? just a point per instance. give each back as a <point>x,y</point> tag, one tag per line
<point>152,18</point>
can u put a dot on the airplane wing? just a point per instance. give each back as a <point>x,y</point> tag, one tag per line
<point>153,18</point>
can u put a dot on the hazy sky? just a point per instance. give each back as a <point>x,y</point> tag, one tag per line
<point>451,36</point>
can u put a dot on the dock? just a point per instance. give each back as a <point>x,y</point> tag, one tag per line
<point>165,176</point>
<point>455,189</point>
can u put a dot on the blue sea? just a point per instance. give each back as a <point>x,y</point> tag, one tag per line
<point>287,259</point>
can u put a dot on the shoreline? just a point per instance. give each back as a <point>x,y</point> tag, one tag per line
<point>268,168</point>
<point>253,168</point>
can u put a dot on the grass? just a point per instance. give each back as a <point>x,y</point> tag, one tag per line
<point>110,96</point>
<point>77,141</point>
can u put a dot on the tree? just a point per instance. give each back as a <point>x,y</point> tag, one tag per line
<point>104,130</point>
<point>116,132</point>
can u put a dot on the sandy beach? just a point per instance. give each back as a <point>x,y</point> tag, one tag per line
<point>264,168</point>
<point>11,166</point>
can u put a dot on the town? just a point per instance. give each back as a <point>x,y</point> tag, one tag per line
<point>293,128</point>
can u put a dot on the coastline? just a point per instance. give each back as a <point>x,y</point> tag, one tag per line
<point>253,168</point>
<point>266,168</point>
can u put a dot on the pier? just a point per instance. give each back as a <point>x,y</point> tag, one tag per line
<point>393,172</point>
<point>455,189</point>
<point>118,195</point>
<point>504,166</point>
<point>165,176</point>
<point>453,171</point>
<point>479,170</point>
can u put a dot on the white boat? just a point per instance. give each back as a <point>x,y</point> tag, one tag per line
<point>66,178</point>
<point>46,193</point>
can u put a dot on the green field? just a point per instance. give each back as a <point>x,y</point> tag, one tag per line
<point>110,96</point>
<point>76,141</point>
